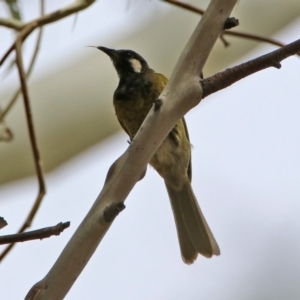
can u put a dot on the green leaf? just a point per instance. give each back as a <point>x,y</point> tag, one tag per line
<point>14,9</point>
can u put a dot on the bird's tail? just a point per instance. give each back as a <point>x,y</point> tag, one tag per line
<point>192,229</point>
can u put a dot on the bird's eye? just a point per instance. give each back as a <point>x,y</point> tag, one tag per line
<point>129,54</point>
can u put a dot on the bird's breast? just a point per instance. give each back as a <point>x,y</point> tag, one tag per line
<point>133,100</point>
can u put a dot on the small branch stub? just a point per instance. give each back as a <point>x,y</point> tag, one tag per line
<point>157,104</point>
<point>231,23</point>
<point>112,211</point>
<point>36,290</point>
<point>3,223</point>
<point>277,65</point>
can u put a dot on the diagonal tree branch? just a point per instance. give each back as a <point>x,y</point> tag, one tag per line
<point>257,38</point>
<point>34,234</point>
<point>181,94</point>
<point>228,77</point>
<point>129,167</point>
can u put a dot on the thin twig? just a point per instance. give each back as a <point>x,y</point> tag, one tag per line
<point>92,229</point>
<point>34,234</point>
<point>42,189</point>
<point>28,73</point>
<point>255,37</point>
<point>249,36</point>
<point>33,141</point>
<point>6,134</point>
<point>229,76</point>
<point>76,6</point>
<point>186,6</point>
<point>224,41</point>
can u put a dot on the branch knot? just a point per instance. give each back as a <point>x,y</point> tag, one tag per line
<point>112,211</point>
<point>231,23</point>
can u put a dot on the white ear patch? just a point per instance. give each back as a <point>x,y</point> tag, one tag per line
<point>136,65</point>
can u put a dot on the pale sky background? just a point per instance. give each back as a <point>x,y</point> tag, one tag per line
<point>246,173</point>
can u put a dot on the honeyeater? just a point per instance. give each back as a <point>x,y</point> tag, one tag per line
<point>139,86</point>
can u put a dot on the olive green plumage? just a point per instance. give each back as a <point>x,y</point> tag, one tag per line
<point>138,87</point>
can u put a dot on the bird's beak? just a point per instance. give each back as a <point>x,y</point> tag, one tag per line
<point>110,52</point>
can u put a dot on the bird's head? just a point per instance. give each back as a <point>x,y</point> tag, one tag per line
<point>126,61</point>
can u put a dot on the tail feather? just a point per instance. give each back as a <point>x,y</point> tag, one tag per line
<point>193,231</point>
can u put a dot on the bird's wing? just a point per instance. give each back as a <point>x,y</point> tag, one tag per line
<point>124,128</point>
<point>189,171</point>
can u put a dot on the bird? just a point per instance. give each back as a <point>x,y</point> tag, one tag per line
<point>139,87</point>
